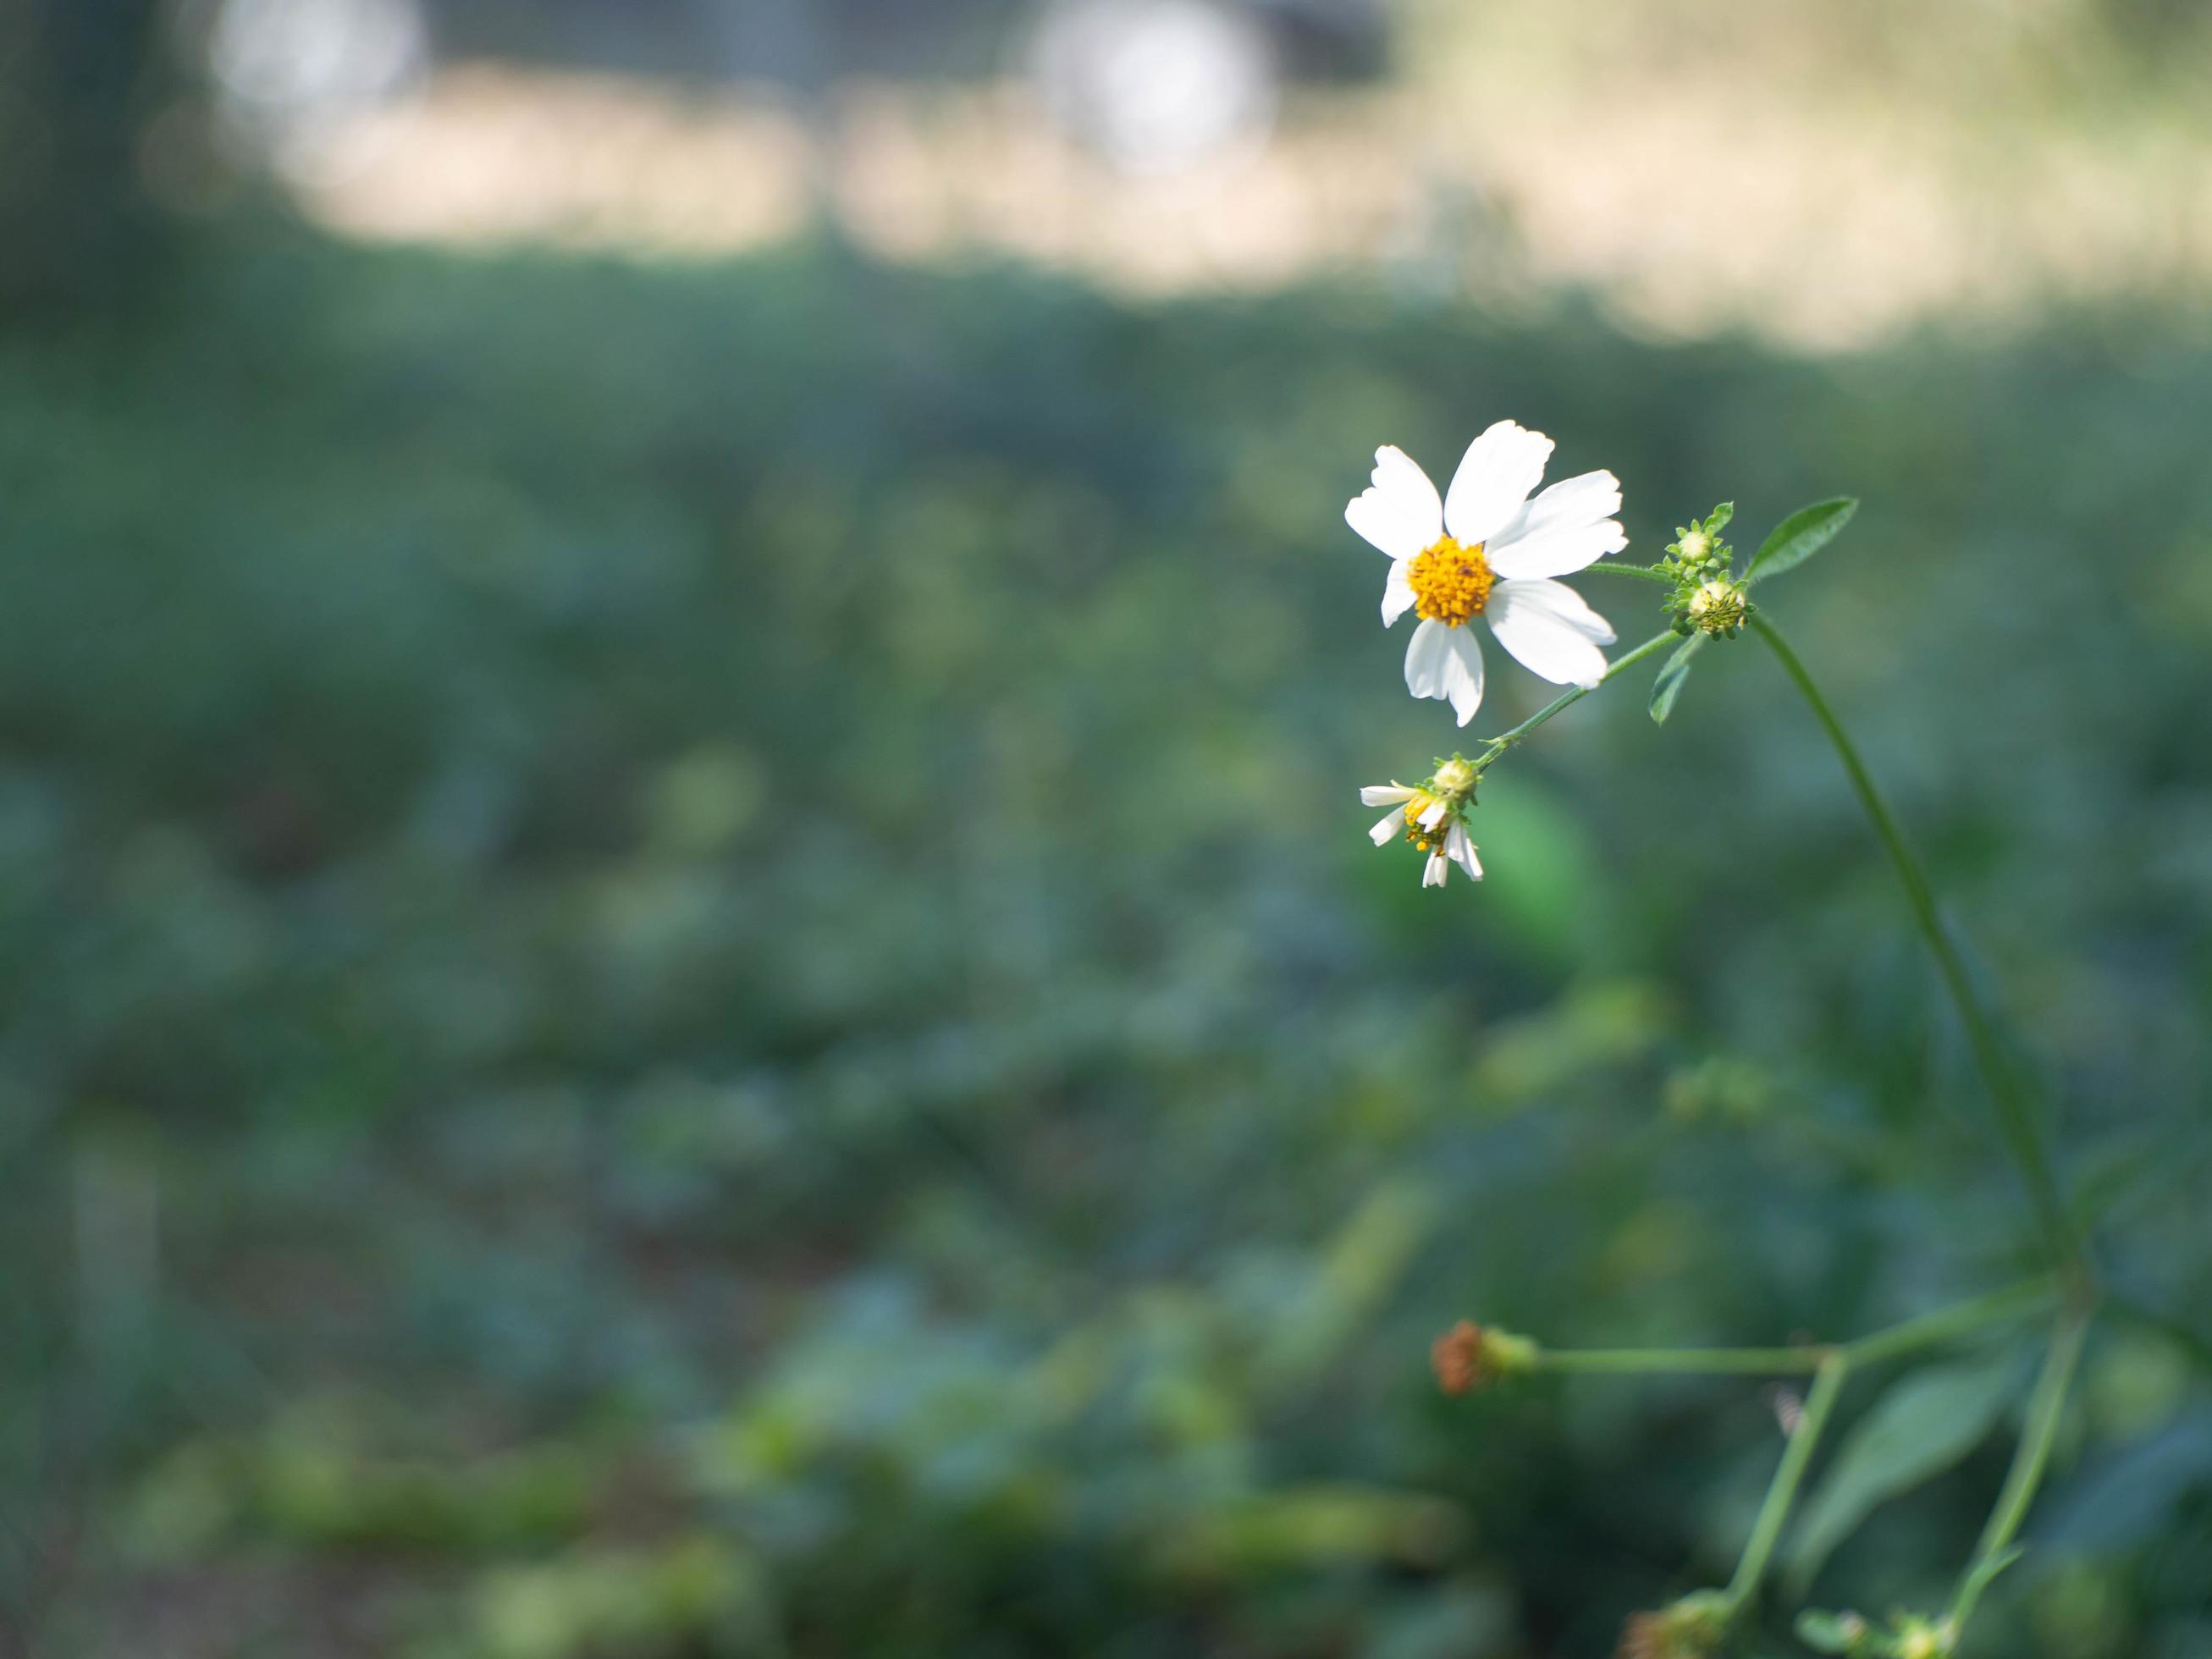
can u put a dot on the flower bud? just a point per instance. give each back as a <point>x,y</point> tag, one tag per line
<point>1719,607</point>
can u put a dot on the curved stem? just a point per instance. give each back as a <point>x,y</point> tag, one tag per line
<point>2016,1118</point>
<point>1498,744</point>
<point>1827,1384</point>
<point>1929,1329</point>
<point>2044,1409</point>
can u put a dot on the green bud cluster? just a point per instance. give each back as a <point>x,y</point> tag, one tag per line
<point>1908,1635</point>
<point>1706,598</point>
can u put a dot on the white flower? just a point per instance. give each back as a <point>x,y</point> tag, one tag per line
<point>1485,548</point>
<point>1430,822</point>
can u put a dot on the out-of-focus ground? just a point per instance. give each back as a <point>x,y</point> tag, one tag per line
<point>1695,174</point>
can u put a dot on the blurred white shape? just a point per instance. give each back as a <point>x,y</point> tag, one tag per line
<point>1157,86</point>
<point>298,79</point>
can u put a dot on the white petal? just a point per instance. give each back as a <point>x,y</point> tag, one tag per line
<point>1432,815</point>
<point>1463,673</point>
<point>1398,512</point>
<point>1460,849</point>
<point>1446,662</point>
<point>1567,505</point>
<point>1434,872</point>
<point>1554,638</point>
<point>1384,832</point>
<point>1557,552</point>
<point>1563,602</point>
<point>1563,530</point>
<point>1397,593</point>
<point>1494,478</point>
<point>1384,794</point>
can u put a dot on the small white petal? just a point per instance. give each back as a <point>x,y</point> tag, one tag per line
<point>1397,593</point>
<point>1494,478</point>
<point>1548,636</point>
<point>1443,661</point>
<point>1434,872</point>
<point>1433,816</point>
<point>1459,847</point>
<point>1398,512</point>
<point>1384,794</point>
<point>1384,832</point>
<point>1463,672</point>
<point>1424,659</point>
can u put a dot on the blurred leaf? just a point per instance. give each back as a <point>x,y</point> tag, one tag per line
<point>1668,685</point>
<point>1800,535</point>
<point>1363,1265</point>
<point>1925,1423</point>
<point>2130,1497</point>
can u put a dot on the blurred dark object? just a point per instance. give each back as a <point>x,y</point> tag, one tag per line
<point>76,78</point>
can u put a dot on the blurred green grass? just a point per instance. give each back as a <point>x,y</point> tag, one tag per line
<point>691,969</point>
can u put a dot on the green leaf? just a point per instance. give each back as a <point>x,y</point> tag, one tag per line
<point>1668,685</point>
<point>1799,536</point>
<point>1921,1427</point>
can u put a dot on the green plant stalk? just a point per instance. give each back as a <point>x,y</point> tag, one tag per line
<point>2015,1302</point>
<point>1923,1331</point>
<point>1827,1384</point>
<point>1497,745</point>
<point>2045,1408</point>
<point>2015,1111</point>
<point>1651,1361</point>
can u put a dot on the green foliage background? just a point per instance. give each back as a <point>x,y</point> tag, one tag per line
<point>690,968</point>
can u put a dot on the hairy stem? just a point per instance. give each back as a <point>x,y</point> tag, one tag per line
<point>2015,1109</point>
<point>1827,1384</point>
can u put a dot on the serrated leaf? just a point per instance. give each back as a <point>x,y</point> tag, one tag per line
<point>1921,1427</point>
<point>1800,535</point>
<point>1668,685</point>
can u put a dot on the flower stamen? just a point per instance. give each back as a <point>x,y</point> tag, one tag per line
<point>1451,581</point>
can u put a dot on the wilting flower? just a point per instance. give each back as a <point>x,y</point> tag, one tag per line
<point>1470,1355</point>
<point>1486,549</point>
<point>1691,1629</point>
<point>1432,816</point>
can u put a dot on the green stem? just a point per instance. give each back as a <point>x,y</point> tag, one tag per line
<point>2016,1117</point>
<point>1925,1331</point>
<point>1827,1384</point>
<point>1644,1362</point>
<point>1929,1329</point>
<point>2044,1409</point>
<point>1497,745</point>
<point>1642,572</point>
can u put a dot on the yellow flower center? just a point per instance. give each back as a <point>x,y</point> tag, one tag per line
<point>1451,582</point>
<point>1422,837</point>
